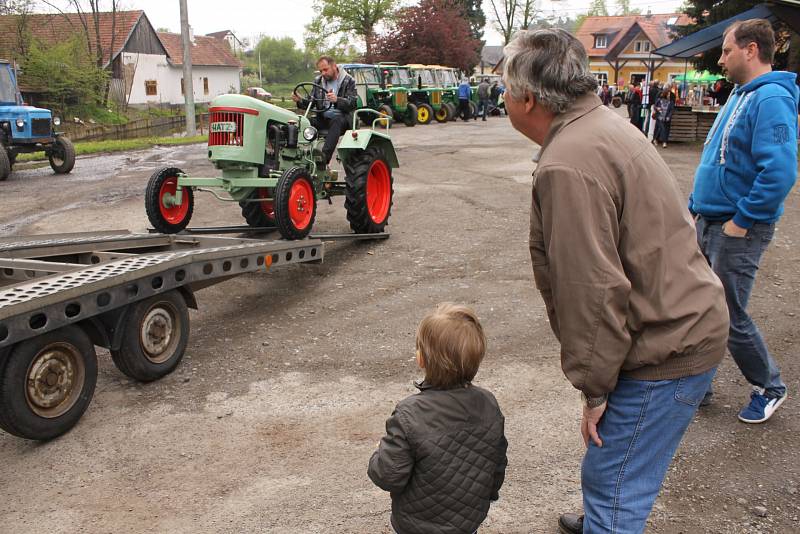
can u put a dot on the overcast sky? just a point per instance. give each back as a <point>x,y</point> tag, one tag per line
<point>286,18</point>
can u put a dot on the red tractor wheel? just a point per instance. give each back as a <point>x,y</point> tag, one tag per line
<point>369,191</point>
<point>259,214</point>
<point>295,204</point>
<point>164,215</point>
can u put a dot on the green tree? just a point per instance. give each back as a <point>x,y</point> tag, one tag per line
<point>624,8</point>
<point>280,59</point>
<point>473,12</point>
<point>347,18</point>
<point>598,8</point>
<point>64,74</point>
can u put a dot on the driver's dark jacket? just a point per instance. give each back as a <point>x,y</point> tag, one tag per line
<point>347,97</point>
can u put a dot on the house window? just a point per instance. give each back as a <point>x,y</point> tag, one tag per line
<point>602,77</point>
<point>151,87</point>
<point>205,86</point>
<point>600,41</point>
<point>641,46</point>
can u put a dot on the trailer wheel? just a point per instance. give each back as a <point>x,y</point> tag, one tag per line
<point>368,199</point>
<point>424,114</point>
<point>61,155</point>
<point>5,164</point>
<point>295,203</point>
<point>167,219</point>
<point>410,118</point>
<point>154,337</point>
<point>259,214</point>
<point>46,383</point>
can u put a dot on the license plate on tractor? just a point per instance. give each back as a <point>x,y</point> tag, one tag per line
<point>223,127</point>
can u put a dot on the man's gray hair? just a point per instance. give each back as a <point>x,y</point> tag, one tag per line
<point>551,64</point>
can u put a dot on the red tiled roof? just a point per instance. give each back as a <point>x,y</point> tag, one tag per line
<point>55,27</point>
<point>653,26</point>
<point>206,51</point>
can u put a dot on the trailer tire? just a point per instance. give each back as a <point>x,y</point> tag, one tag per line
<point>167,220</point>
<point>154,337</point>
<point>369,192</point>
<point>259,214</point>
<point>46,383</point>
<point>61,155</point>
<point>5,164</point>
<point>295,203</point>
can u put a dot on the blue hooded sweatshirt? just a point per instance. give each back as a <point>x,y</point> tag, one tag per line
<point>749,163</point>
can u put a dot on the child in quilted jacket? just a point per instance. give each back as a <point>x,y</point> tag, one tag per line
<point>443,458</point>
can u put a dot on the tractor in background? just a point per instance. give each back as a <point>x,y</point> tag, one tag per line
<point>273,166</point>
<point>421,90</point>
<point>375,93</point>
<point>28,129</point>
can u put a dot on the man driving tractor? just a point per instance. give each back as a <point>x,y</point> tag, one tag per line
<point>340,91</point>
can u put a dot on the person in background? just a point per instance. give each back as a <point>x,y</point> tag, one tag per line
<point>747,168</point>
<point>483,98</point>
<point>464,92</point>
<point>634,99</point>
<point>605,95</point>
<point>662,111</point>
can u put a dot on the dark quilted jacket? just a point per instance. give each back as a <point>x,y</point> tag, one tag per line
<point>443,459</point>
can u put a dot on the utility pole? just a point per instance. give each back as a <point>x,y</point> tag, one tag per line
<point>260,79</point>
<point>188,87</point>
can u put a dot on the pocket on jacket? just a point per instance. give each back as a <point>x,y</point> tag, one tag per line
<point>691,389</point>
<point>708,193</point>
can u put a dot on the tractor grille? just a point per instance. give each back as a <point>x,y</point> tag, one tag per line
<point>40,127</point>
<point>226,128</point>
<point>400,98</point>
<point>436,97</point>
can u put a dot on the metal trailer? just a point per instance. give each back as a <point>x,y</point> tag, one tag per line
<point>62,295</point>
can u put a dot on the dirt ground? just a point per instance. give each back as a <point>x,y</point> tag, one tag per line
<point>268,423</point>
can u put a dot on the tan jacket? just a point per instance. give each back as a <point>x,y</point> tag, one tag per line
<point>616,259</point>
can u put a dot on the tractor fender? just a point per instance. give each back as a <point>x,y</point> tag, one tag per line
<point>358,140</point>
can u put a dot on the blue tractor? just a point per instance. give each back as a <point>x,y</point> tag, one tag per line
<point>28,129</point>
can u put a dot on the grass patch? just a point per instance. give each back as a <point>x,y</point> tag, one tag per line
<point>122,145</point>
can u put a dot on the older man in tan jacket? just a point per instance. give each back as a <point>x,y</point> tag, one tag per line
<point>640,316</point>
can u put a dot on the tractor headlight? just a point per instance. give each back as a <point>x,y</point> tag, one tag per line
<point>310,133</point>
<point>57,121</point>
<point>20,123</point>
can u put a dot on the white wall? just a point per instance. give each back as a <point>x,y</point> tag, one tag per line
<point>221,80</point>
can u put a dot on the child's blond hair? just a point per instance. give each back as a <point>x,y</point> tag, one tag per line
<point>452,345</point>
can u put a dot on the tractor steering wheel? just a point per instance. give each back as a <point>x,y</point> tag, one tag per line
<point>318,104</point>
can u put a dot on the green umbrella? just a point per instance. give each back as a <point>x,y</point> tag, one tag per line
<point>698,77</point>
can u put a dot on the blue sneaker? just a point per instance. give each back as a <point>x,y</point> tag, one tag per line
<point>761,407</point>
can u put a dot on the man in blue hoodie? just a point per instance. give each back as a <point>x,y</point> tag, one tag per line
<point>748,166</point>
<point>464,91</point>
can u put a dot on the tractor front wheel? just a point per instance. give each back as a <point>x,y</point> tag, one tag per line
<point>411,116</point>
<point>473,110</point>
<point>424,114</point>
<point>164,215</point>
<point>5,164</point>
<point>453,110</point>
<point>369,191</point>
<point>443,114</point>
<point>295,203</point>
<point>386,109</point>
<point>62,155</point>
<point>259,214</point>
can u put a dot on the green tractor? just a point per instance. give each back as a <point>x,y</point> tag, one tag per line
<point>422,91</point>
<point>425,81</point>
<point>448,78</point>
<point>374,93</point>
<point>273,166</point>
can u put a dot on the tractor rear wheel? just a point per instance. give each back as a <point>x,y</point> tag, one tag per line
<point>386,109</point>
<point>5,164</point>
<point>167,218</point>
<point>46,383</point>
<point>443,114</point>
<point>295,203</point>
<point>453,111</point>
<point>473,110</point>
<point>411,116</point>
<point>154,337</point>
<point>61,155</point>
<point>368,199</point>
<point>259,214</point>
<point>424,114</point>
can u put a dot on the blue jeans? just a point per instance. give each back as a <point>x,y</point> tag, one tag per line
<point>735,261</point>
<point>641,429</point>
<point>483,107</point>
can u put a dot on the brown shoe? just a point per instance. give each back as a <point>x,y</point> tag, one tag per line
<point>570,524</point>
